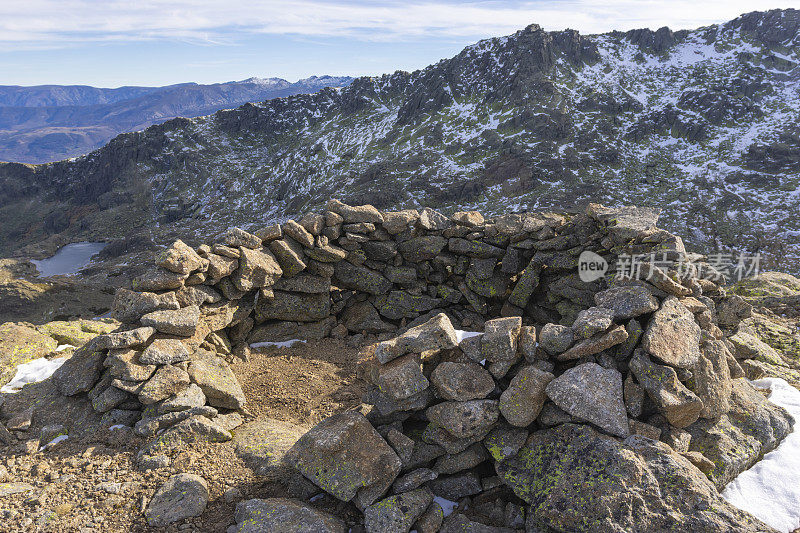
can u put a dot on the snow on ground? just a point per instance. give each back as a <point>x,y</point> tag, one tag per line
<point>770,490</point>
<point>32,372</point>
<point>60,438</point>
<point>282,344</point>
<point>461,334</point>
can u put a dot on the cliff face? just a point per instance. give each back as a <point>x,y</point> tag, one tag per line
<point>701,123</point>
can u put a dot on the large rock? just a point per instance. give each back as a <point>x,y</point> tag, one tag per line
<point>182,496</point>
<point>158,279</point>
<point>596,344</point>
<point>592,393</point>
<point>298,233</point>
<point>180,258</point>
<point>347,458</point>
<point>217,381</point>
<point>129,306</point>
<point>283,515</point>
<point>464,420</point>
<point>401,378</point>
<point>524,398</point>
<point>499,340</point>
<point>164,352</point>
<point>126,365</point>
<point>355,214</point>
<point>752,427</point>
<point>421,249</point>
<point>220,266</point>
<point>576,479</point>
<point>363,317</point>
<point>80,372</point>
<point>289,254</point>
<point>256,269</point>
<point>462,381</point>
<point>122,339</point>
<point>627,301</point>
<point>397,513</point>
<point>711,379</point>
<point>293,306</point>
<point>182,322</point>
<point>473,248</point>
<point>556,338</point>
<point>435,334</point>
<point>167,381</point>
<point>403,304</point>
<point>527,282</point>
<point>672,335</point>
<point>680,405</point>
<point>361,278</point>
<point>237,237</point>
<point>263,444</point>
<point>592,321</point>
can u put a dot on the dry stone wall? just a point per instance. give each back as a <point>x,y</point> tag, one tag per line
<point>598,360</point>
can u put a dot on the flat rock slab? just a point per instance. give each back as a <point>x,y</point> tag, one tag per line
<point>283,515</point>
<point>627,301</point>
<point>573,475</point>
<point>681,406</point>
<point>182,496</point>
<point>9,489</point>
<point>217,381</point>
<point>263,445</point>
<point>672,335</point>
<point>347,458</point>
<point>592,393</point>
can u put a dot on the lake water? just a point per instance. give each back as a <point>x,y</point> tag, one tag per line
<point>69,259</point>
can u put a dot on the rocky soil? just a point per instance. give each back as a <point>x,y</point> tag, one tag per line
<point>91,481</point>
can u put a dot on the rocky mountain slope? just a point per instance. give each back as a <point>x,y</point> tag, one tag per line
<point>701,123</point>
<point>52,122</point>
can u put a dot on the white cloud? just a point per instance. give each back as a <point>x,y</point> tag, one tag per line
<point>36,23</point>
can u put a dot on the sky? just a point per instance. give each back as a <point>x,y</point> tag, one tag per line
<point>110,43</point>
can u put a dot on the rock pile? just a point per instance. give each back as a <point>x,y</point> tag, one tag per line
<point>594,405</point>
<point>563,430</point>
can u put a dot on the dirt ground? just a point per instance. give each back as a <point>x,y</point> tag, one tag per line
<point>90,483</point>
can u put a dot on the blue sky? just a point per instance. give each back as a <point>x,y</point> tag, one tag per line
<point>110,43</point>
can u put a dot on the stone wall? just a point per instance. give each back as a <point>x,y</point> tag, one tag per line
<point>373,275</point>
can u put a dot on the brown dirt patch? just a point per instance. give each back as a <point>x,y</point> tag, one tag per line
<point>302,384</point>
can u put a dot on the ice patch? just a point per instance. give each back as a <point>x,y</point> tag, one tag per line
<point>117,426</point>
<point>461,334</point>
<point>282,344</point>
<point>32,372</point>
<point>770,489</point>
<point>69,259</point>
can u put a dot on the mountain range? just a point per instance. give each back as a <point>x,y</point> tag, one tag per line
<point>51,122</point>
<point>701,123</point>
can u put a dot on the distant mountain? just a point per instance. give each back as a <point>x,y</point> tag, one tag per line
<point>51,122</point>
<point>702,123</point>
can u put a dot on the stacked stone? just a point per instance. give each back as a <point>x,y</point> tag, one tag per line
<point>360,271</point>
<point>466,419</point>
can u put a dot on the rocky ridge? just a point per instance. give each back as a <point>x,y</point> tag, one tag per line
<point>54,122</point>
<point>700,122</point>
<point>571,384</point>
